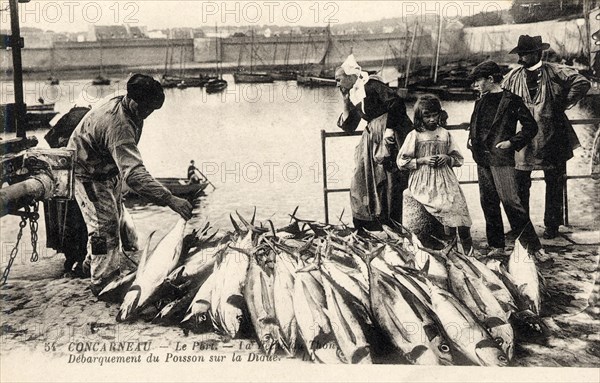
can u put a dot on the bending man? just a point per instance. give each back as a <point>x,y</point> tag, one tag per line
<point>107,155</point>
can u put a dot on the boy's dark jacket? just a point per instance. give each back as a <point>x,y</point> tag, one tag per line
<point>483,139</point>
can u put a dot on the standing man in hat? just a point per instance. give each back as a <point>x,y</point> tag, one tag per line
<point>105,143</point>
<point>547,90</point>
<point>377,184</point>
<point>493,139</point>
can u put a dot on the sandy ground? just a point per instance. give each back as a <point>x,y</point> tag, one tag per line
<point>45,311</point>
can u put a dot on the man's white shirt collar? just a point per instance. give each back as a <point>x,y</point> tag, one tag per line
<point>535,67</point>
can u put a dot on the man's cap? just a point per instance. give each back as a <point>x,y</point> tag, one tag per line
<point>145,91</point>
<point>528,44</point>
<point>484,70</point>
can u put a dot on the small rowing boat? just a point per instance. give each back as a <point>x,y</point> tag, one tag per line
<point>181,187</point>
<point>177,186</point>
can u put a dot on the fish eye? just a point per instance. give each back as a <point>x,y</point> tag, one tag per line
<point>500,341</point>
<point>444,348</point>
<point>502,358</point>
<point>341,355</point>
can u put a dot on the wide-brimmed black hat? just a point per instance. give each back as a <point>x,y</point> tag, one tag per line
<point>484,70</point>
<point>529,44</point>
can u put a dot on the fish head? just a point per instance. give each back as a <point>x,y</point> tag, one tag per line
<point>490,354</point>
<point>271,338</point>
<point>233,314</point>
<point>443,349</point>
<point>503,334</point>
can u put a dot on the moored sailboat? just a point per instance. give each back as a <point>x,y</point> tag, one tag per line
<point>215,85</point>
<point>326,75</point>
<point>242,76</point>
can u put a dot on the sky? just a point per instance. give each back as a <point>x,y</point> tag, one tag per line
<point>73,16</point>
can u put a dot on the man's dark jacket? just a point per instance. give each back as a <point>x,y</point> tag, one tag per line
<point>483,139</point>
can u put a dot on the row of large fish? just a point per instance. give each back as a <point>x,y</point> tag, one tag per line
<point>340,296</point>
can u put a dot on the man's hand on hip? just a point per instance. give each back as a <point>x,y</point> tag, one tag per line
<point>181,207</point>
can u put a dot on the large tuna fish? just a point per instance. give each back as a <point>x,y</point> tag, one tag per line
<point>283,291</point>
<point>347,324</point>
<point>228,308</point>
<point>463,329</point>
<point>198,313</point>
<point>397,317</point>
<point>524,273</point>
<point>315,329</point>
<point>153,270</point>
<point>420,301</point>
<point>258,293</point>
<point>476,296</point>
<point>195,274</point>
<point>493,282</point>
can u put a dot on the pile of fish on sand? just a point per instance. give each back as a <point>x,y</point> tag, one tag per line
<point>336,295</point>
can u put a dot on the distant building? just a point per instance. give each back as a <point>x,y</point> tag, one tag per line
<point>181,33</point>
<point>220,34</point>
<point>137,33</point>
<point>115,32</point>
<point>198,33</point>
<point>37,38</point>
<point>106,32</point>
<point>158,34</point>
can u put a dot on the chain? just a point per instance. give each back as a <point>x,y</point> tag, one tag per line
<point>14,251</point>
<point>33,227</point>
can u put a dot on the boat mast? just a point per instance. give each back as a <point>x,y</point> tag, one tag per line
<point>287,52</point>
<point>437,52</point>
<point>328,47</point>
<point>217,51</point>
<point>181,57</point>
<point>167,57</point>
<point>252,52</point>
<point>240,55</point>
<point>101,63</point>
<point>410,54</point>
<point>275,52</point>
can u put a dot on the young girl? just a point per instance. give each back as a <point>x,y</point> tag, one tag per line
<point>430,153</point>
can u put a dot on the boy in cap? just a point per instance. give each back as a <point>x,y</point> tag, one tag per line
<point>547,90</point>
<point>493,139</point>
<point>377,184</point>
<point>105,143</point>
